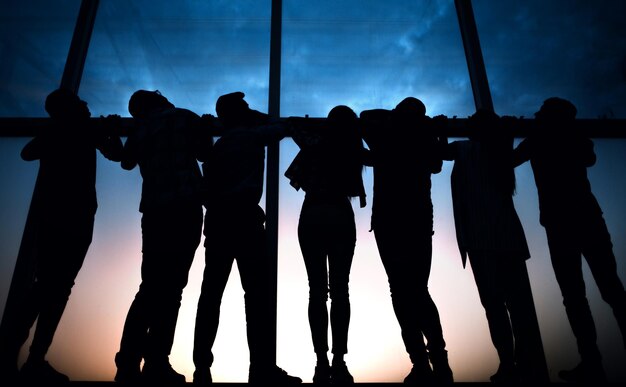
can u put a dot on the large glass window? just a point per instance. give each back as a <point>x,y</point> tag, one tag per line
<point>35,38</point>
<point>365,54</point>
<point>537,49</point>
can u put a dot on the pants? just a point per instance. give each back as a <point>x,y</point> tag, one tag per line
<point>505,293</point>
<point>327,236</point>
<point>406,254</point>
<point>61,248</point>
<point>568,243</point>
<point>235,232</point>
<point>171,236</point>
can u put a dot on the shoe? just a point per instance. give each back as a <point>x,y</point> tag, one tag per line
<point>128,371</point>
<point>322,374</point>
<point>10,374</point>
<point>161,374</point>
<point>202,376</point>
<point>340,375</point>
<point>420,375</point>
<point>271,375</point>
<point>585,372</point>
<point>506,373</point>
<point>41,372</point>
<point>442,373</point>
<point>128,375</point>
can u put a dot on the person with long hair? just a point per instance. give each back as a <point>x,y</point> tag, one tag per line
<point>490,234</point>
<point>329,169</point>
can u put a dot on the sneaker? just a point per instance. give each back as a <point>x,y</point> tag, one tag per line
<point>272,375</point>
<point>322,374</point>
<point>202,376</point>
<point>506,373</point>
<point>585,372</point>
<point>162,374</point>
<point>420,375</point>
<point>41,372</point>
<point>339,374</point>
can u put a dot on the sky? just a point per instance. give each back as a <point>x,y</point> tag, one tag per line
<point>362,53</point>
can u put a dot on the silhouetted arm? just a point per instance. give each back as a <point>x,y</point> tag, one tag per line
<point>521,153</point>
<point>436,160</point>
<point>274,131</point>
<point>448,150</point>
<point>129,153</point>
<point>367,158</point>
<point>372,123</point>
<point>33,149</point>
<point>588,156</point>
<point>203,128</point>
<point>109,144</point>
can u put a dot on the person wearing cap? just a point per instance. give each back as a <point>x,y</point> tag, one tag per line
<point>166,143</point>
<point>559,156</point>
<point>489,233</point>
<point>234,228</point>
<point>404,155</point>
<point>63,210</point>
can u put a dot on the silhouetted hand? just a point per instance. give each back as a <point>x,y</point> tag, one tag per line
<point>109,125</point>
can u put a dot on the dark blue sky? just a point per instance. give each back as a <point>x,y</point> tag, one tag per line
<point>364,54</point>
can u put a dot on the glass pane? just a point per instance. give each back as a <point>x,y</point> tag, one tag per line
<point>369,55</point>
<point>192,52</point>
<point>35,38</point>
<point>538,49</point>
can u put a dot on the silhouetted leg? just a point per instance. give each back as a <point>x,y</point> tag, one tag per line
<point>134,334</point>
<point>253,264</point>
<point>567,263</point>
<point>19,327</point>
<point>218,264</point>
<point>315,261</point>
<point>529,351</point>
<point>488,277</point>
<point>173,240</point>
<point>60,261</point>
<point>598,251</point>
<point>401,273</point>
<point>340,263</point>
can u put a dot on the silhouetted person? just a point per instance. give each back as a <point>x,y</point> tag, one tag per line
<point>63,209</point>
<point>329,168</point>
<point>234,228</point>
<point>167,142</point>
<point>559,157</point>
<point>489,232</point>
<point>404,156</point>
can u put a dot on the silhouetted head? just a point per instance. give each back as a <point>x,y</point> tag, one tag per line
<point>484,124</point>
<point>64,104</point>
<point>410,108</point>
<point>342,114</point>
<point>556,109</point>
<point>144,102</point>
<point>232,108</point>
